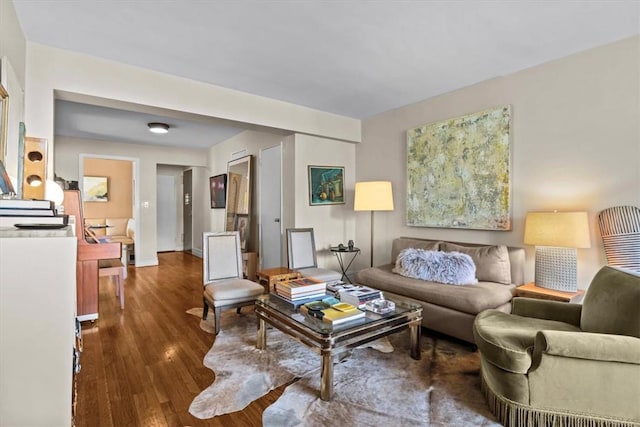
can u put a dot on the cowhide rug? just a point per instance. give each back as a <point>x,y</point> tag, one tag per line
<point>371,387</point>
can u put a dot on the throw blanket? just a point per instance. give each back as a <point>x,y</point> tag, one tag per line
<point>453,268</point>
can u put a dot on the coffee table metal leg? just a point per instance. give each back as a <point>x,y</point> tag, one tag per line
<point>326,376</point>
<point>261,342</point>
<point>414,330</point>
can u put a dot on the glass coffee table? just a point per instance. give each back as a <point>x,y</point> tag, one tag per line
<point>328,340</point>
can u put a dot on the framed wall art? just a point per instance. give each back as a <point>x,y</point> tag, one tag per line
<point>326,185</point>
<point>95,189</point>
<point>218,189</point>
<point>458,172</point>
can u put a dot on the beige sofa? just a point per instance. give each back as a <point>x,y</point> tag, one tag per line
<point>451,309</point>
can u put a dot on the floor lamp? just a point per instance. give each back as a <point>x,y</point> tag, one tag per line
<point>373,196</point>
<point>557,236</point>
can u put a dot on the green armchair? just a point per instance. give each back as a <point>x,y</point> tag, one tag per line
<point>550,363</point>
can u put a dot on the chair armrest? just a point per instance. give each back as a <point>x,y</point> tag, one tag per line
<point>586,345</point>
<point>546,309</point>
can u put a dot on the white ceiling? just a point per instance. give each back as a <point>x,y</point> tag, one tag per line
<point>354,58</point>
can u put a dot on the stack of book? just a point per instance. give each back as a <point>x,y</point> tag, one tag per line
<point>300,289</point>
<point>359,295</point>
<point>332,313</point>
<point>27,213</point>
<point>354,294</point>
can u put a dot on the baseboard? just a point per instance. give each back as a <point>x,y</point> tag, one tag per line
<point>196,252</point>
<point>86,317</point>
<point>147,262</point>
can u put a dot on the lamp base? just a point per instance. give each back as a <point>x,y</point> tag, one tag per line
<point>557,268</point>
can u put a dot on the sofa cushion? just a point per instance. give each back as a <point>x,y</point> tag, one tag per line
<point>492,262</point>
<point>453,268</point>
<point>117,226</point>
<point>467,299</point>
<point>406,242</point>
<point>506,340</point>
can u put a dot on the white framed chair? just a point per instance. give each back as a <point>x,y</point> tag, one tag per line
<point>301,255</point>
<point>224,286</point>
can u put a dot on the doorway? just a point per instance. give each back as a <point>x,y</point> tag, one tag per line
<point>187,209</point>
<point>271,207</point>
<point>167,215</point>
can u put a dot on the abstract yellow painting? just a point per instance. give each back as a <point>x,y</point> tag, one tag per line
<point>458,172</point>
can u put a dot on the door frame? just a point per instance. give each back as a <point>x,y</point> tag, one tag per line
<point>136,187</point>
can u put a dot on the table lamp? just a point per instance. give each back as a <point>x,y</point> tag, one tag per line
<point>373,196</point>
<point>557,236</point>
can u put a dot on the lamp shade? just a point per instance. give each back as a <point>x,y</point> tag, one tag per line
<point>373,196</point>
<point>557,229</point>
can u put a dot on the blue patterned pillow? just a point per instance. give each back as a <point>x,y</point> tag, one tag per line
<point>453,268</point>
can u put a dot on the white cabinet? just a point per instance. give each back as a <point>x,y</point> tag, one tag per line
<point>37,326</point>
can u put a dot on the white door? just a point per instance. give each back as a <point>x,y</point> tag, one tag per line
<point>167,214</point>
<point>270,207</point>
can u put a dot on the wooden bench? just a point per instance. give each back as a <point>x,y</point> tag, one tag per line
<point>115,269</point>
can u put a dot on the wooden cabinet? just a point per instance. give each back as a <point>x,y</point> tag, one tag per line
<point>37,326</point>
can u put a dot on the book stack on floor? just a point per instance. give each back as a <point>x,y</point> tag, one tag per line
<point>353,294</point>
<point>300,291</point>
<point>335,314</point>
<point>30,214</point>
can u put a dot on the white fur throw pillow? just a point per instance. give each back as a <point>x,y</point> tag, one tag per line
<point>453,268</point>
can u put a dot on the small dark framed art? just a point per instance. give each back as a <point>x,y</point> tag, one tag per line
<point>218,187</point>
<point>326,185</point>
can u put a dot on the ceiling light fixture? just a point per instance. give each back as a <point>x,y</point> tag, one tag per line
<point>158,127</point>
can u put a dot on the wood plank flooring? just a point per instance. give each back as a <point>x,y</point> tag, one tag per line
<point>142,366</point>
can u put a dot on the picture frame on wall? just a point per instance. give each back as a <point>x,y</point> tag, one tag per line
<point>218,190</point>
<point>95,189</point>
<point>326,185</point>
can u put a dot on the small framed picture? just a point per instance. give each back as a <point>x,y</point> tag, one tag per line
<point>218,188</point>
<point>326,185</point>
<point>95,189</point>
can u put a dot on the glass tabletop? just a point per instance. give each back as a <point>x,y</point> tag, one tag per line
<point>402,309</point>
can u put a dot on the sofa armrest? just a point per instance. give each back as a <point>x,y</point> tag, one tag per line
<point>587,345</point>
<point>546,309</point>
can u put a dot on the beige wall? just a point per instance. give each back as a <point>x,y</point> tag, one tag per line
<point>332,224</point>
<point>119,175</point>
<point>242,144</point>
<point>575,146</point>
<point>146,158</point>
<point>13,57</point>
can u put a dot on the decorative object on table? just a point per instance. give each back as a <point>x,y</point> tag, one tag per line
<point>326,185</point>
<point>95,189</point>
<point>366,383</point>
<point>350,244</point>
<point>620,231</point>
<point>301,255</point>
<point>458,172</point>
<point>373,196</point>
<point>380,306</point>
<point>557,236</point>
<point>218,191</point>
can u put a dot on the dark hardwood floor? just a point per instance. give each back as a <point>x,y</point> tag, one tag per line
<point>142,366</point>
